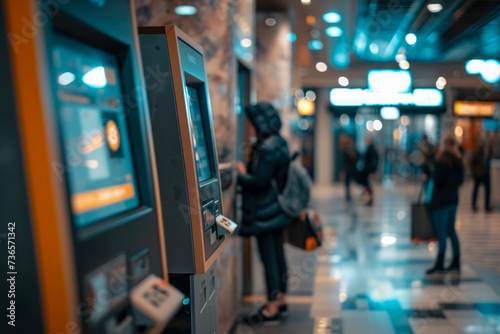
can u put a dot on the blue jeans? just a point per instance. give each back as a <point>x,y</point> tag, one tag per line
<point>444,223</point>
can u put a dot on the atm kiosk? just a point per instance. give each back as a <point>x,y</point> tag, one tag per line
<point>85,182</point>
<point>188,174</point>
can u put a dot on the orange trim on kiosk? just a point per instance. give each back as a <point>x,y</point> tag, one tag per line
<point>51,231</point>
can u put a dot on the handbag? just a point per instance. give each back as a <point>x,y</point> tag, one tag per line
<point>305,232</point>
<point>422,227</point>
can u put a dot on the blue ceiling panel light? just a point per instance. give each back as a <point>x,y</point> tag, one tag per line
<point>334,31</point>
<point>422,97</point>
<point>315,45</point>
<point>490,71</point>
<point>185,10</point>
<point>473,66</point>
<point>332,17</point>
<point>397,81</point>
<point>291,37</point>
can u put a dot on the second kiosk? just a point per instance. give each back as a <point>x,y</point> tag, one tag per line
<point>188,172</point>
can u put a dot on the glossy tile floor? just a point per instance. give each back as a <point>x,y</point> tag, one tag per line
<point>370,278</point>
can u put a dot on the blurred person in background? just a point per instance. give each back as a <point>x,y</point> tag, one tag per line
<point>427,155</point>
<point>262,214</point>
<point>350,158</point>
<point>369,166</point>
<point>481,171</point>
<point>448,176</point>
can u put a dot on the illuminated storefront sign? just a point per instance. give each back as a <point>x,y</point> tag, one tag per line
<point>420,97</point>
<point>475,108</point>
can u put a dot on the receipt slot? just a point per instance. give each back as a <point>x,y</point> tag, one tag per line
<point>183,133</point>
<point>82,188</point>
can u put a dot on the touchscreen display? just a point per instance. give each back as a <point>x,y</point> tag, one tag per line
<point>198,135</point>
<point>96,149</point>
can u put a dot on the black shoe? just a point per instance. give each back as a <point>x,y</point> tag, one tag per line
<point>488,210</point>
<point>453,267</point>
<point>455,264</point>
<point>474,209</point>
<point>434,270</point>
<point>258,319</point>
<point>284,310</point>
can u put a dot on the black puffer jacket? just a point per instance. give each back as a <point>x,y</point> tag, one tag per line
<point>269,160</point>
<point>448,177</point>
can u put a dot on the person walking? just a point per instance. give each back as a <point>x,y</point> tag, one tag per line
<point>448,176</point>
<point>370,165</point>
<point>481,171</point>
<point>350,158</point>
<point>262,214</point>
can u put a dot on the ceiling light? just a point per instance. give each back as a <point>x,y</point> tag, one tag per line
<point>440,83</point>
<point>411,39</point>
<point>315,45</point>
<point>332,17</point>
<point>321,67</point>
<point>246,42</point>
<point>270,21</point>
<point>345,120</point>
<point>343,81</point>
<point>310,20</point>
<point>306,2</point>
<point>374,48</point>
<point>369,126</point>
<point>404,64</point>
<point>490,71</point>
<point>435,7</point>
<point>291,37</point>
<point>185,10</point>
<point>400,57</point>
<point>473,66</point>
<point>334,31</point>
<point>377,125</point>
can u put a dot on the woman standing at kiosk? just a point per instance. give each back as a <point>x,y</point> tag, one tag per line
<point>262,215</point>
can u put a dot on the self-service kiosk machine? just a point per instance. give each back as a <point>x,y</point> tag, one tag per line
<point>82,195</point>
<point>188,174</point>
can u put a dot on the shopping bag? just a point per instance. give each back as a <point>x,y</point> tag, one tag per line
<point>305,232</point>
<point>422,227</point>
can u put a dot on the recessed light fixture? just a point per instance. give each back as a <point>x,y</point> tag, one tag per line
<point>321,66</point>
<point>434,7</point>
<point>411,39</point>
<point>315,45</point>
<point>400,57</point>
<point>404,65</point>
<point>306,2</point>
<point>332,17</point>
<point>440,83</point>
<point>334,31</point>
<point>374,48</point>
<point>271,21</point>
<point>185,10</point>
<point>246,42</point>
